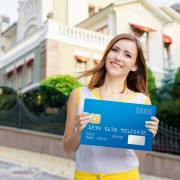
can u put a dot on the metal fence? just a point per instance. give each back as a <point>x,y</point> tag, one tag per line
<point>43,109</point>
<point>167,139</point>
<point>40,109</point>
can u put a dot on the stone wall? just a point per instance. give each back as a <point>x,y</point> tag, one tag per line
<point>33,141</point>
<point>161,164</point>
<point>157,164</point>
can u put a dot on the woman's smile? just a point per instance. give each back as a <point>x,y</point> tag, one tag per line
<point>116,65</point>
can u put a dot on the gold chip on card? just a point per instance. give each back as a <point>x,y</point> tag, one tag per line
<point>96,119</point>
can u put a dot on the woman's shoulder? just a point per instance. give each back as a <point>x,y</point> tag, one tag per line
<point>144,97</point>
<point>141,98</point>
<point>79,90</point>
<point>82,89</point>
<point>75,90</point>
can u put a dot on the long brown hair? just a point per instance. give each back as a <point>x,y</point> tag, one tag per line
<point>136,80</point>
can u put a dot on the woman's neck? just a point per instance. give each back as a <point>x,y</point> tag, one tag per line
<point>114,85</point>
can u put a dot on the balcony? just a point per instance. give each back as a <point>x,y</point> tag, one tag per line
<point>62,33</point>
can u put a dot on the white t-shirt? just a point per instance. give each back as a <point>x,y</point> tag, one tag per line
<point>106,160</point>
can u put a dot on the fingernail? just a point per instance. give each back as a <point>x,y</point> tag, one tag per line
<point>85,125</point>
<point>146,125</point>
<point>86,112</point>
<point>152,117</point>
<point>146,122</point>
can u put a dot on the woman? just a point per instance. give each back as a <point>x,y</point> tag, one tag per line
<point>120,76</point>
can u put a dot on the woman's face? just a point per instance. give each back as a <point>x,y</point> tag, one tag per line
<point>121,58</point>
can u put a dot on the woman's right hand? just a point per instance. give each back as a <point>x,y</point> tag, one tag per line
<point>81,121</point>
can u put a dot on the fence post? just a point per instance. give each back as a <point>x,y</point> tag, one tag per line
<point>19,101</point>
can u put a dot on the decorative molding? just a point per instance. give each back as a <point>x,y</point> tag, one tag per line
<point>9,69</point>
<point>19,63</point>
<point>29,57</point>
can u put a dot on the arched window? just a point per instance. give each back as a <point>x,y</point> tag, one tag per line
<point>30,30</point>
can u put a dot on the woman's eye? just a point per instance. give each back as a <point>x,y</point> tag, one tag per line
<point>114,50</point>
<point>127,55</point>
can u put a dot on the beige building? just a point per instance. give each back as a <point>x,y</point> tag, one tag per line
<point>172,53</point>
<point>64,37</point>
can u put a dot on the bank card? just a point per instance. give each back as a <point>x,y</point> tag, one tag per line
<point>118,125</point>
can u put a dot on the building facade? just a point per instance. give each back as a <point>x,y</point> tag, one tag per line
<point>63,37</point>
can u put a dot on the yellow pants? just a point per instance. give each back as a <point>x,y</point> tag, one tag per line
<point>129,175</point>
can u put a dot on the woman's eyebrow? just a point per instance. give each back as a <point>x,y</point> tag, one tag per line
<point>125,50</point>
<point>129,52</point>
<point>115,47</point>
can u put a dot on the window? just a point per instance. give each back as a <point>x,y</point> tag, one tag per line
<point>80,66</point>
<point>81,63</point>
<point>142,33</point>
<point>103,29</point>
<point>19,77</point>
<point>10,79</point>
<point>167,46</point>
<point>29,72</point>
<point>92,10</point>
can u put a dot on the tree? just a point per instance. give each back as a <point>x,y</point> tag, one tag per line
<point>169,101</point>
<point>177,76</point>
<point>176,86</point>
<point>8,98</point>
<point>63,83</point>
<point>51,95</point>
<point>42,98</point>
<point>151,86</point>
<point>164,93</point>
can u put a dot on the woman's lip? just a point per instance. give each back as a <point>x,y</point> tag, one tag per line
<point>116,64</point>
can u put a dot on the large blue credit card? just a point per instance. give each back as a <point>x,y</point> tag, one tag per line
<point>118,125</point>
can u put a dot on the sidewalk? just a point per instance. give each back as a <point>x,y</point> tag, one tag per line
<point>17,164</point>
<point>24,165</point>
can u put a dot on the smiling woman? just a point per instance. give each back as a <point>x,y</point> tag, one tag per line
<point>119,76</point>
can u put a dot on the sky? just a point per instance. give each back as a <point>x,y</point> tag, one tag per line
<point>10,7</point>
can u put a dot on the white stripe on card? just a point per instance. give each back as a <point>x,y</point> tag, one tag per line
<point>136,140</point>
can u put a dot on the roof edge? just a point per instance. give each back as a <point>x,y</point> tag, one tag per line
<point>166,19</point>
<point>170,11</point>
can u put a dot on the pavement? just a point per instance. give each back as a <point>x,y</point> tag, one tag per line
<point>18,164</point>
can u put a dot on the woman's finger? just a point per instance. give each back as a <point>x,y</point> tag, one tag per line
<point>154,132</point>
<point>155,128</point>
<point>153,123</point>
<point>83,114</point>
<point>155,119</point>
<point>82,120</point>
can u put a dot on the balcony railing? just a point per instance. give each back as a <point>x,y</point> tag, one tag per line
<point>84,35</point>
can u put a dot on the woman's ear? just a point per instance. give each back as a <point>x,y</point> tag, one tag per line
<point>134,68</point>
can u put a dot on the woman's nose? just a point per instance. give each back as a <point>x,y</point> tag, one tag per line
<point>119,57</point>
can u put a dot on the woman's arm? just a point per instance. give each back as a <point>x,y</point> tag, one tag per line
<point>71,139</point>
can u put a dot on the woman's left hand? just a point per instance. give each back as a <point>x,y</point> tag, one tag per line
<point>152,125</point>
